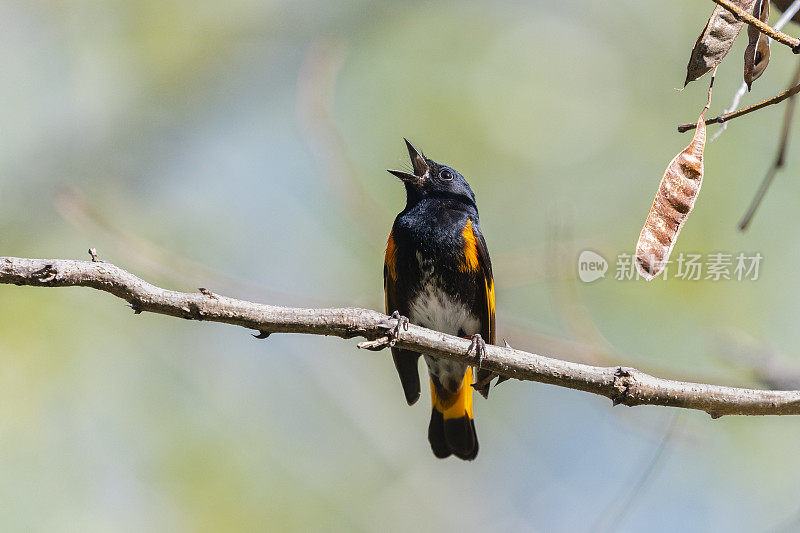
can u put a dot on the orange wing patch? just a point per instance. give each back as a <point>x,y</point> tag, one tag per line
<point>391,257</point>
<point>470,263</point>
<point>490,297</point>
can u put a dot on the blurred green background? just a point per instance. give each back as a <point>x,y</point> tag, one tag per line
<point>241,146</point>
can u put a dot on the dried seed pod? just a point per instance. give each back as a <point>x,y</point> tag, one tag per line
<point>673,202</point>
<point>715,40</point>
<point>756,55</point>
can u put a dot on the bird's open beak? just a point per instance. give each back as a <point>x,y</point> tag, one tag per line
<point>405,176</point>
<point>419,163</point>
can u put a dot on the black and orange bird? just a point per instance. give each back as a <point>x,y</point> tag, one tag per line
<point>438,275</point>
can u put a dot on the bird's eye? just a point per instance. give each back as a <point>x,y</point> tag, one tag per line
<point>446,175</point>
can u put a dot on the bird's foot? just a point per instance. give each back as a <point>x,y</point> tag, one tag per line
<point>393,324</point>
<point>479,346</point>
<point>485,378</point>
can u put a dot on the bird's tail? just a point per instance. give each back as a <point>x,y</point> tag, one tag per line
<point>452,428</point>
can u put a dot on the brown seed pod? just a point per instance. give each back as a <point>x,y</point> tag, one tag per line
<point>756,55</point>
<point>673,202</point>
<point>716,40</point>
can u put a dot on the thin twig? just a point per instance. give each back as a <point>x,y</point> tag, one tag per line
<point>780,158</point>
<point>736,114</point>
<point>710,90</point>
<point>626,386</point>
<point>766,29</point>
<point>787,15</point>
<point>734,104</point>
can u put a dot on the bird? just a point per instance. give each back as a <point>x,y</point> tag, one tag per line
<point>437,274</point>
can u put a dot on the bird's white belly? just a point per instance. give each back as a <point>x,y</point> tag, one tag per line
<point>433,308</point>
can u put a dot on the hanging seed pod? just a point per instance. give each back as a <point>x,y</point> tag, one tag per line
<point>716,40</point>
<point>756,55</point>
<point>673,202</point>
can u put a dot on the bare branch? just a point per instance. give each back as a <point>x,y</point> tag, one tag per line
<point>744,111</point>
<point>622,385</point>
<point>780,158</point>
<point>769,31</point>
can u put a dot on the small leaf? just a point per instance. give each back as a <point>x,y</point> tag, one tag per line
<point>716,40</point>
<point>756,55</point>
<point>674,201</point>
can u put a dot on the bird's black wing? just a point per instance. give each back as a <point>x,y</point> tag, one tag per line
<point>483,306</point>
<point>405,361</point>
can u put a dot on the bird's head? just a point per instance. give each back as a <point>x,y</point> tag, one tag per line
<point>431,179</point>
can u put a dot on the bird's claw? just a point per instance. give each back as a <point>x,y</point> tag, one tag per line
<point>482,384</point>
<point>393,325</point>
<point>479,346</point>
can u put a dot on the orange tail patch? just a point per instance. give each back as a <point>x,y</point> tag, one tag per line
<point>459,404</point>
<point>452,428</point>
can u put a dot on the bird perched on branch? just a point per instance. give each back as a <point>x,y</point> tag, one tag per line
<point>437,274</point>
